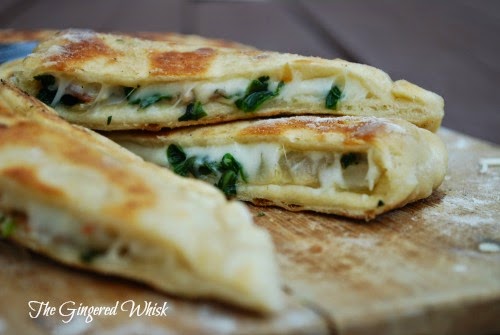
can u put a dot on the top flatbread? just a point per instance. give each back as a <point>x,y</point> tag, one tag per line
<point>83,200</point>
<point>146,84</point>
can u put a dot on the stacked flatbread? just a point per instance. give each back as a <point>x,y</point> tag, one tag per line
<point>302,133</point>
<point>350,141</point>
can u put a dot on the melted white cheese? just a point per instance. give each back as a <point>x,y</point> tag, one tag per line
<point>205,90</point>
<point>309,91</point>
<point>257,160</point>
<point>306,90</point>
<point>58,230</point>
<point>268,163</point>
<point>62,84</point>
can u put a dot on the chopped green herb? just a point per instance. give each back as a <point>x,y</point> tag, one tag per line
<point>7,226</point>
<point>89,255</point>
<point>108,121</point>
<point>194,111</point>
<point>175,155</point>
<point>333,97</point>
<point>259,84</point>
<point>228,168</point>
<point>349,159</point>
<point>259,214</point>
<point>228,162</point>
<point>149,100</point>
<point>188,166</point>
<point>207,168</point>
<point>257,93</point>
<point>227,183</point>
<point>380,203</point>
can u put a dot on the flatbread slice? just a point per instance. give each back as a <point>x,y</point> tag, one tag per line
<point>353,166</point>
<point>89,77</point>
<point>80,199</point>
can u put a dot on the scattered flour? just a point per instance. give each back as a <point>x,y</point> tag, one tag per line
<point>75,327</point>
<point>216,322</point>
<point>3,327</point>
<point>137,328</point>
<point>489,247</point>
<point>460,268</point>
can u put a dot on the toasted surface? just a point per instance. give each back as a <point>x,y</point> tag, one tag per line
<point>87,202</point>
<point>403,162</point>
<point>122,61</point>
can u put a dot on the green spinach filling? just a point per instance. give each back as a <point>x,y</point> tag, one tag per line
<point>88,256</point>
<point>146,101</point>
<point>257,93</point>
<point>194,111</point>
<point>7,225</point>
<point>333,97</point>
<point>228,170</point>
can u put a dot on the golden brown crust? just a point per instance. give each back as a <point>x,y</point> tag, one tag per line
<point>25,176</point>
<point>353,130</point>
<point>173,63</point>
<point>74,53</point>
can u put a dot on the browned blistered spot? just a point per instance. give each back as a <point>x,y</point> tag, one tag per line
<point>73,54</point>
<point>26,177</point>
<point>315,249</point>
<point>174,63</point>
<point>353,131</point>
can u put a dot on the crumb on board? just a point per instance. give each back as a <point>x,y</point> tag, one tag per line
<point>486,163</point>
<point>489,247</point>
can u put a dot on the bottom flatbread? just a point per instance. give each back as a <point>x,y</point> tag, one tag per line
<point>352,166</point>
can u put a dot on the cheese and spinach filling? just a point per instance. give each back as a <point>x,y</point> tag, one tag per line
<point>244,94</point>
<point>230,166</point>
<point>78,241</point>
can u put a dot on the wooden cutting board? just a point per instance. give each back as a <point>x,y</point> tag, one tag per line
<point>432,267</point>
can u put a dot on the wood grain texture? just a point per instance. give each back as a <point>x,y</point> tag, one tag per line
<point>417,270</point>
<point>446,47</point>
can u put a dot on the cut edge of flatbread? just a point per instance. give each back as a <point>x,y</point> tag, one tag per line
<point>357,167</point>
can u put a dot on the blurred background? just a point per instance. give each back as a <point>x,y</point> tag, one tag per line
<point>449,47</point>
